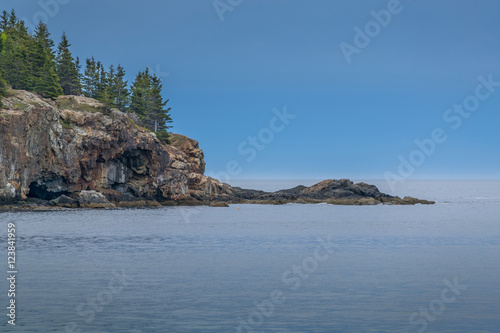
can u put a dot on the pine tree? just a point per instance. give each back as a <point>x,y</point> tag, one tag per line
<point>4,20</point>
<point>103,86</point>
<point>3,40</point>
<point>42,35</point>
<point>79,70</point>
<point>160,117</point>
<point>66,69</point>
<point>139,101</point>
<point>12,19</point>
<point>15,58</point>
<point>90,77</point>
<point>147,102</point>
<point>46,81</point>
<point>120,91</point>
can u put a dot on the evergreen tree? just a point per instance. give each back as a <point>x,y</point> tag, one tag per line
<point>3,40</point>
<point>16,56</point>
<point>147,102</point>
<point>102,86</point>
<point>4,20</point>
<point>159,116</point>
<point>42,36</point>
<point>66,69</point>
<point>79,70</point>
<point>139,101</point>
<point>46,81</point>
<point>90,77</point>
<point>12,19</point>
<point>119,89</point>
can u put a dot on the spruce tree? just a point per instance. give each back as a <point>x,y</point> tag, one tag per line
<point>139,101</point>
<point>160,117</point>
<point>119,89</point>
<point>147,102</point>
<point>46,81</point>
<point>66,69</point>
<point>12,21</point>
<point>15,59</point>
<point>102,86</point>
<point>4,20</point>
<point>90,77</point>
<point>79,70</point>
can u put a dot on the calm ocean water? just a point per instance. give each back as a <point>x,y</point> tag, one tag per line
<point>259,268</point>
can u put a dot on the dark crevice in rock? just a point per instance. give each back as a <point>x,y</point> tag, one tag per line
<point>42,192</point>
<point>48,187</point>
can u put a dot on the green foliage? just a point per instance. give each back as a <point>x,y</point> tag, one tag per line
<point>147,102</point>
<point>69,78</point>
<point>28,61</point>
<point>120,93</point>
<point>66,123</point>
<point>108,87</point>
<point>3,90</point>
<point>90,78</point>
<point>4,20</point>
<point>46,80</point>
<point>163,136</point>
<point>16,56</point>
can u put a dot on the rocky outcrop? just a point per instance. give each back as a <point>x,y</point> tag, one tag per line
<point>49,149</point>
<point>340,192</point>
<point>74,152</point>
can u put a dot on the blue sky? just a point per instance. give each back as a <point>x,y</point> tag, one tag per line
<point>356,119</point>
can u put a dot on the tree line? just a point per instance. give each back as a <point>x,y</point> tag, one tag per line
<point>30,61</point>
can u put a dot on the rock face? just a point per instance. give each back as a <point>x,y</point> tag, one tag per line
<point>49,149</point>
<point>74,153</point>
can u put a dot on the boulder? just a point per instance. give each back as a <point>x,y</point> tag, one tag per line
<point>93,199</point>
<point>65,201</point>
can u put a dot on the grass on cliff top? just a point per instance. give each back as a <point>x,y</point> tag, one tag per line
<point>178,138</point>
<point>72,104</point>
<point>66,123</point>
<point>139,127</point>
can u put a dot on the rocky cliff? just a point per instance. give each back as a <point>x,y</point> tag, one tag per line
<point>49,149</point>
<point>73,152</point>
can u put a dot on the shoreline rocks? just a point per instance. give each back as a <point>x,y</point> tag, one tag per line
<point>73,153</point>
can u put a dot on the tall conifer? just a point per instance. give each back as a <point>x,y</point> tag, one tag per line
<point>66,69</point>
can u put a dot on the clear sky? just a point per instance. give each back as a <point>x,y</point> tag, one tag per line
<point>360,80</point>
